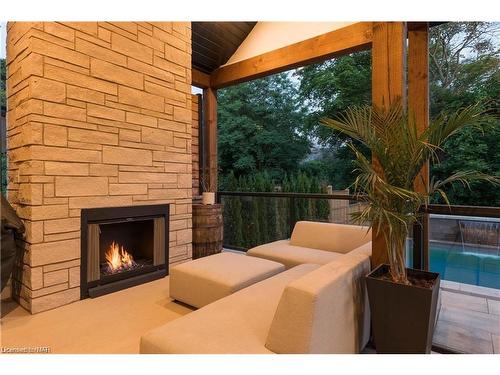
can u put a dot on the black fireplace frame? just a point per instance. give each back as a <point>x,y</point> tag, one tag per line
<point>114,283</point>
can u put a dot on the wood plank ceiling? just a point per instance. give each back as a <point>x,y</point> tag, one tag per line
<point>215,42</point>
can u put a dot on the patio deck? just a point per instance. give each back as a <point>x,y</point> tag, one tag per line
<point>468,322</point>
<point>469,319</point>
<point>111,324</point>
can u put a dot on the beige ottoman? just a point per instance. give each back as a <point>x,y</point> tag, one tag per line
<point>205,280</point>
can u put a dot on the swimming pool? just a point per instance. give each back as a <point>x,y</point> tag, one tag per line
<point>467,264</point>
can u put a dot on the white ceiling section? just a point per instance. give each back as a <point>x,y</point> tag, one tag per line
<point>268,36</point>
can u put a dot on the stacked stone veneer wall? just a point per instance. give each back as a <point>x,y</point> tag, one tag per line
<point>99,114</point>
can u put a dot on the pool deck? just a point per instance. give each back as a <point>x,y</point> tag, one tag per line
<point>469,318</point>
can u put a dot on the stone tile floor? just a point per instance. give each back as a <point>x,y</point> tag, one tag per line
<point>469,319</point>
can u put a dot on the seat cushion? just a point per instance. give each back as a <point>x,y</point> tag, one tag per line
<point>339,238</point>
<point>289,255</point>
<point>205,280</point>
<point>235,324</point>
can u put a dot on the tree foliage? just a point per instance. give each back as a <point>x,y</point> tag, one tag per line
<point>261,127</point>
<point>331,87</point>
<point>464,69</point>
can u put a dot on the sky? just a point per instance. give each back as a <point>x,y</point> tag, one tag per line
<point>3,39</point>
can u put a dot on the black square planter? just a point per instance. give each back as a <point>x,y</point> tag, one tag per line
<point>403,316</point>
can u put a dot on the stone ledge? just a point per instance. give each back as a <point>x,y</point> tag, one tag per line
<point>54,300</point>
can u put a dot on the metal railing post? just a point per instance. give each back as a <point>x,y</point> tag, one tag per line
<point>417,246</point>
<point>292,215</point>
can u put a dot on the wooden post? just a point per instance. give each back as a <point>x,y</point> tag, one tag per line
<point>388,63</point>
<point>418,106</point>
<point>388,85</point>
<point>210,135</point>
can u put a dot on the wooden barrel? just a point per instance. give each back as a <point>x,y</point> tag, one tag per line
<point>207,230</point>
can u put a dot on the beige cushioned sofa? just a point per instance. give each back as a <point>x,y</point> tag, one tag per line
<point>306,309</point>
<point>316,243</point>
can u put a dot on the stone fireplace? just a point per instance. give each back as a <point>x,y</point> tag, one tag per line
<point>98,115</point>
<point>122,247</point>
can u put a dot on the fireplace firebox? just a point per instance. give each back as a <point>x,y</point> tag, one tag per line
<point>122,247</point>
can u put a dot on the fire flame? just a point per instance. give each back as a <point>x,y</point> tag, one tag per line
<point>118,258</point>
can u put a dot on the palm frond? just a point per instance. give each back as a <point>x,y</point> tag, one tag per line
<point>447,124</point>
<point>354,124</point>
<point>463,177</point>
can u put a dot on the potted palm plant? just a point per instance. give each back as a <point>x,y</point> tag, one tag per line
<point>403,301</point>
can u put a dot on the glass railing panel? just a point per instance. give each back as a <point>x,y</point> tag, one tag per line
<point>250,221</point>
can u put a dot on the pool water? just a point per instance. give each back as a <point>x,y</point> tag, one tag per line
<point>467,265</point>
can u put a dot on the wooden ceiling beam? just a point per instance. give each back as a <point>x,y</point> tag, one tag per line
<point>348,39</point>
<point>200,79</point>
